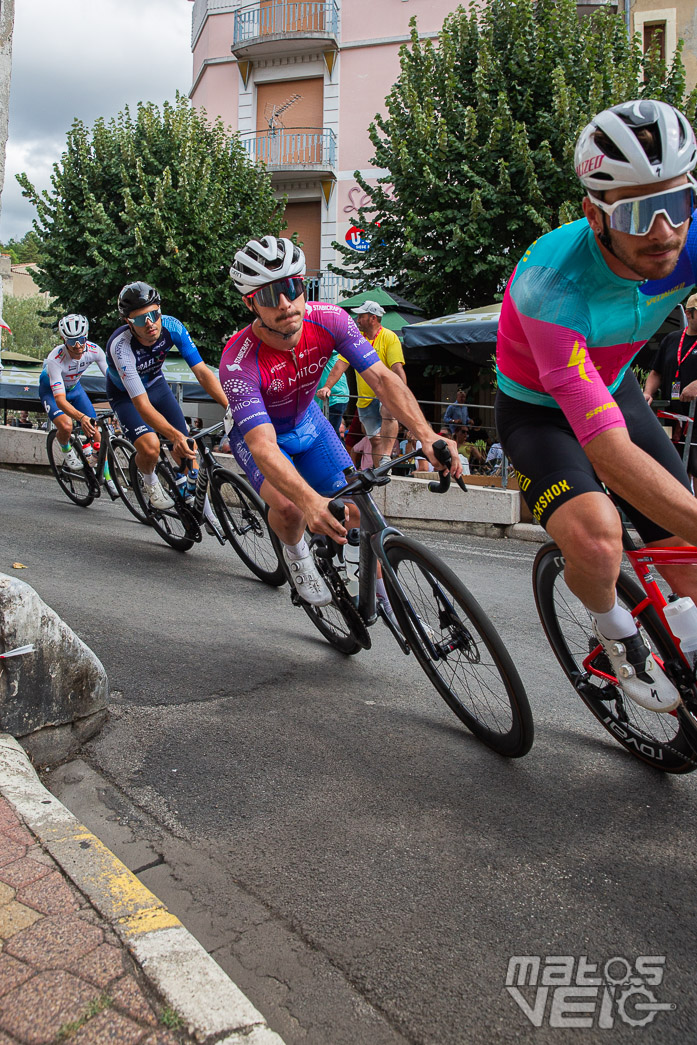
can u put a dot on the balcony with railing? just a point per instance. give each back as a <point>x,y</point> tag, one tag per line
<point>290,150</point>
<point>271,27</point>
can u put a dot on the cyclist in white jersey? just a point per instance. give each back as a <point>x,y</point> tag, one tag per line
<point>63,397</point>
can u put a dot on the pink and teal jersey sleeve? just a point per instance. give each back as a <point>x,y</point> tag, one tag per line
<point>570,327</point>
<point>275,386</point>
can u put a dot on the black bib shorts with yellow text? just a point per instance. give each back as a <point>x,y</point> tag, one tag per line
<point>552,467</point>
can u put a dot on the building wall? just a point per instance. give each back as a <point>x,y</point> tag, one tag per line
<point>344,101</point>
<point>680,21</point>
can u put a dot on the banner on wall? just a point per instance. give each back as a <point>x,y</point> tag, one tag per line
<point>355,239</point>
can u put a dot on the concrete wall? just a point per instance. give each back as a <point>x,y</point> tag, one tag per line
<point>485,510</point>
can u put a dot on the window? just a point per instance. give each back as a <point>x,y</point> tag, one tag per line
<point>655,36</point>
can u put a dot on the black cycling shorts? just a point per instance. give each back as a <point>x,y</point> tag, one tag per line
<point>552,467</point>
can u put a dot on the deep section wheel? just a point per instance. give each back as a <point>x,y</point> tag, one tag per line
<point>659,740</point>
<point>458,647</point>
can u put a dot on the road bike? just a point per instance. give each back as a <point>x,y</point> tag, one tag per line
<point>438,618</point>
<point>238,515</point>
<point>666,741</point>
<point>85,485</point>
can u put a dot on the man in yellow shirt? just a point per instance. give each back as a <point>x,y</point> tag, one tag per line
<point>379,424</point>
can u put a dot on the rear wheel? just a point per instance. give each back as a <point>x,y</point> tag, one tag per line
<point>458,647</point>
<point>660,740</point>
<point>242,515</point>
<point>176,525</point>
<point>81,486</point>
<point>121,452</point>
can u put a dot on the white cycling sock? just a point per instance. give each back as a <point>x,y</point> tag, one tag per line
<point>149,478</point>
<point>299,550</point>
<point>617,623</point>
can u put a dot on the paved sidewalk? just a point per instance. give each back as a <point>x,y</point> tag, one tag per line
<point>64,975</point>
<point>88,955</point>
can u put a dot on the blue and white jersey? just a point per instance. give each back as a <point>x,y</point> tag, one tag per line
<point>61,373</point>
<point>133,367</point>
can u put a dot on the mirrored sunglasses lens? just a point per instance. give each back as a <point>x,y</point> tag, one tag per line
<point>636,217</point>
<point>139,321</point>
<point>270,296</point>
<point>75,342</point>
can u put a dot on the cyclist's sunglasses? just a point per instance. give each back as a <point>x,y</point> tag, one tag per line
<point>139,321</point>
<point>76,342</point>
<point>636,215</point>
<point>269,296</point>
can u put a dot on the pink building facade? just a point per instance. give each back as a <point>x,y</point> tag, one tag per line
<point>301,81</point>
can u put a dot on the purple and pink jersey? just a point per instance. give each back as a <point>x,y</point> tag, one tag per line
<point>570,327</point>
<point>274,386</point>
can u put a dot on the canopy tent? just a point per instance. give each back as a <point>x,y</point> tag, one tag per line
<point>471,336</point>
<point>19,385</point>
<point>468,336</point>
<point>399,313</point>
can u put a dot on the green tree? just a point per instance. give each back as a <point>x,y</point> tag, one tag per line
<point>478,140</point>
<point>24,251</point>
<point>163,196</point>
<point>33,325</point>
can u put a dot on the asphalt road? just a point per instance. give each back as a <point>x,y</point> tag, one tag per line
<point>362,867</point>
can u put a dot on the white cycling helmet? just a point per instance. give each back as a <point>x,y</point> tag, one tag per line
<point>264,261</point>
<point>634,143</point>
<point>73,326</point>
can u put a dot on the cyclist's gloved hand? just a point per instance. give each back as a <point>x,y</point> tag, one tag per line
<point>436,459</point>
<point>228,421</point>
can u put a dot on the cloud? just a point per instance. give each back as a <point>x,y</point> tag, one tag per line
<point>84,59</point>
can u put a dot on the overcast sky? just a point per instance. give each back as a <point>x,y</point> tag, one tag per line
<point>85,59</point>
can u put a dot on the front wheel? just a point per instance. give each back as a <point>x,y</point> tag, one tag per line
<point>80,486</point>
<point>176,525</point>
<point>458,647</point>
<point>121,452</point>
<point>242,515</point>
<point>659,740</point>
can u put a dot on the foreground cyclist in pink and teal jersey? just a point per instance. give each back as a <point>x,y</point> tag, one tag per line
<point>570,413</point>
<point>270,372</point>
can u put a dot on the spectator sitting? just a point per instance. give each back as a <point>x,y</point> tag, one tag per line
<point>494,458</point>
<point>466,447</point>
<point>457,413</point>
<point>22,421</point>
<point>478,434</point>
<point>363,450</point>
<point>223,446</point>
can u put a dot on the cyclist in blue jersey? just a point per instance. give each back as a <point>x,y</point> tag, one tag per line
<point>570,413</point>
<point>270,372</point>
<point>136,387</point>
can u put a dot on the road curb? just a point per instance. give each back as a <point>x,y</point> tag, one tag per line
<point>179,968</point>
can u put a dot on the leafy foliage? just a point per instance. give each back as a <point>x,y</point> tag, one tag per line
<point>479,138</point>
<point>33,325</point>
<point>25,250</point>
<point>163,196</point>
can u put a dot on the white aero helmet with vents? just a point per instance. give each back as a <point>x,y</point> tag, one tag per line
<point>264,261</point>
<point>73,326</point>
<point>621,155</point>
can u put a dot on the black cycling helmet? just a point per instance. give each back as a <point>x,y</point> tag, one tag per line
<point>136,295</point>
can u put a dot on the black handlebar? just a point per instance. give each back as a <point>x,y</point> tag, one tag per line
<point>440,449</point>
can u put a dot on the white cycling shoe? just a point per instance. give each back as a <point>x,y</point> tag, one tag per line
<point>158,498</point>
<point>71,461</point>
<point>637,672</point>
<point>307,580</point>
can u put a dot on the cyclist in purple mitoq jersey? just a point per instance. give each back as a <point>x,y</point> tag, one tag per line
<point>137,391</point>
<point>569,411</point>
<point>270,372</point>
